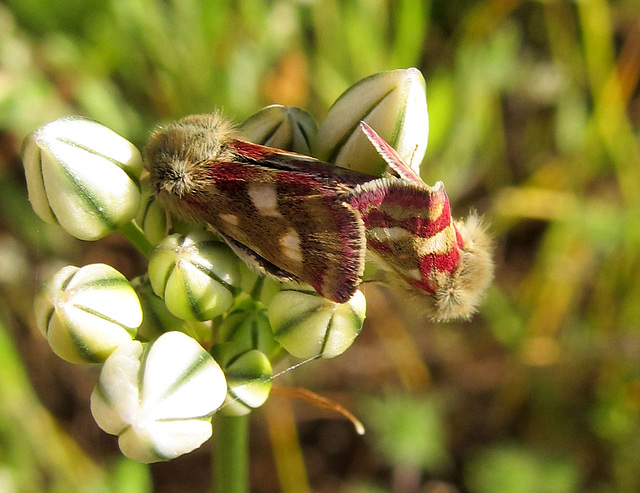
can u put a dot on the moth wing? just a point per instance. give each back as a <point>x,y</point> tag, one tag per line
<point>255,261</point>
<point>447,264</point>
<point>390,155</point>
<point>290,161</point>
<point>331,261</point>
<point>289,223</point>
<point>336,252</point>
<point>409,227</point>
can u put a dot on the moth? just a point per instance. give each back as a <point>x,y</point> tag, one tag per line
<point>285,214</point>
<point>411,234</point>
<point>303,220</point>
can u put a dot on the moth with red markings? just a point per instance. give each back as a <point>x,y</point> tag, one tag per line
<point>303,220</point>
<point>411,233</point>
<point>284,213</point>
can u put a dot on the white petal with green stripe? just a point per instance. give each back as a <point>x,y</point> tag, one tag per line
<point>83,176</point>
<point>159,397</point>
<point>86,313</point>
<point>394,104</point>
<point>308,325</point>
<point>196,275</point>
<point>283,127</point>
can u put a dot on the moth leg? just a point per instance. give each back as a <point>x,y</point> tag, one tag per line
<point>258,263</point>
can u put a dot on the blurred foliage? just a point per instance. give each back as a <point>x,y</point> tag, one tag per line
<point>535,114</point>
<point>512,469</point>
<point>408,432</point>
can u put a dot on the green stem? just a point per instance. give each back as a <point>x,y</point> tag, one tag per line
<point>135,235</point>
<point>231,454</point>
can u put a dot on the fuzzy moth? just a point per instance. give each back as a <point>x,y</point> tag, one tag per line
<point>284,213</point>
<point>303,220</point>
<point>445,264</point>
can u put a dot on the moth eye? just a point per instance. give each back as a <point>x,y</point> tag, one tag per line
<point>167,178</point>
<point>175,175</point>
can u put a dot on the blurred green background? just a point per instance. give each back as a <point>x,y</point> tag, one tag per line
<point>535,115</point>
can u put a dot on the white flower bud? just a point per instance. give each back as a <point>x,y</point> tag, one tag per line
<point>159,397</point>
<point>260,287</point>
<point>86,313</point>
<point>284,127</point>
<point>394,104</point>
<point>158,319</point>
<point>82,176</point>
<point>196,275</point>
<point>308,325</point>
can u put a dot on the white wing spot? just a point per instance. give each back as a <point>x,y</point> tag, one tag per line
<point>440,242</point>
<point>390,234</point>
<point>230,218</point>
<point>264,198</point>
<point>290,244</point>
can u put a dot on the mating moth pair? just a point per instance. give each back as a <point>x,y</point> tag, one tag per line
<point>303,220</point>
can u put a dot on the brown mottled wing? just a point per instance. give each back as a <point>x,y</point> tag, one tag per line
<point>293,223</point>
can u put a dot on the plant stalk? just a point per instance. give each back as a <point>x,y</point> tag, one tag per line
<point>231,454</point>
<point>135,235</point>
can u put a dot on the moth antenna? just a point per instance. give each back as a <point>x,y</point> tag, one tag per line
<point>413,155</point>
<point>390,155</point>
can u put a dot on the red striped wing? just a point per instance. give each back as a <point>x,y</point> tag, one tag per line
<point>409,227</point>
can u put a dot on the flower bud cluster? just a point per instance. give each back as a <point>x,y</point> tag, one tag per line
<point>199,332</point>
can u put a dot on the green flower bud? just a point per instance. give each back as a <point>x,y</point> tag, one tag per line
<point>196,275</point>
<point>158,397</point>
<point>308,325</point>
<point>248,326</point>
<point>261,288</point>
<point>394,104</point>
<point>151,217</point>
<point>86,313</point>
<point>284,127</point>
<point>158,319</point>
<point>82,176</point>
<point>248,376</point>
